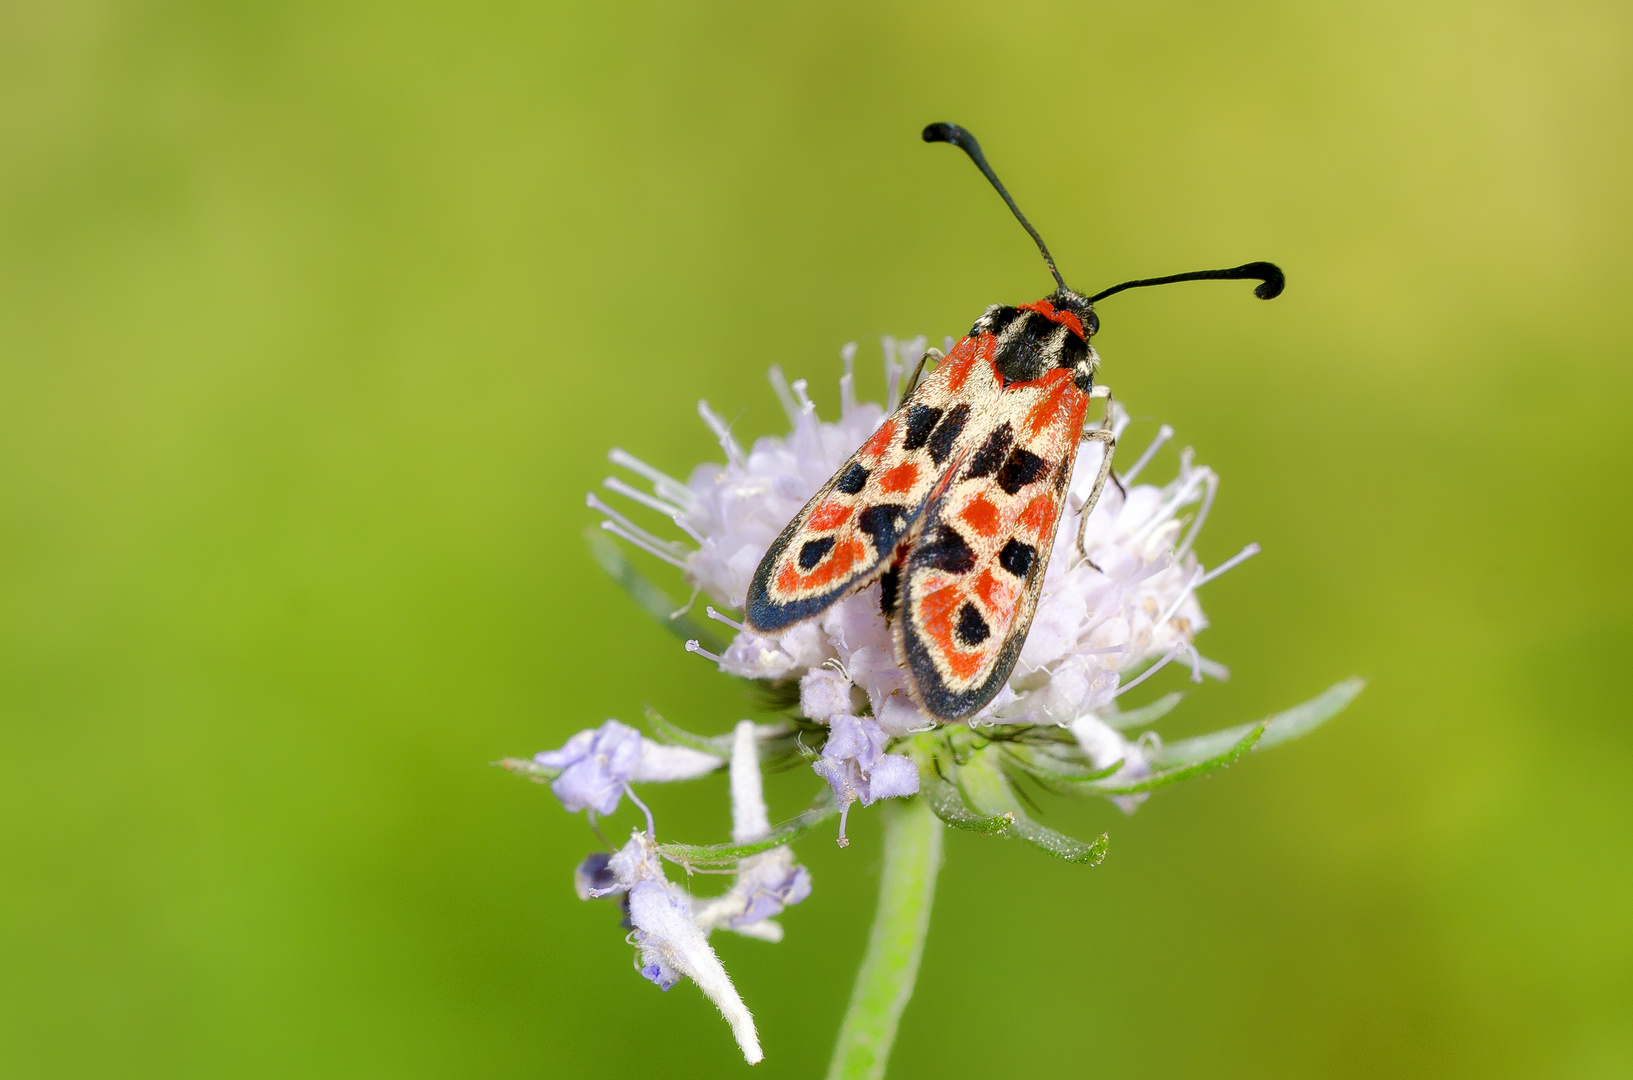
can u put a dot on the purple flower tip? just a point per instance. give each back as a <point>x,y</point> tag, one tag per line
<point>594,877</point>
<point>595,765</point>
<point>769,891</point>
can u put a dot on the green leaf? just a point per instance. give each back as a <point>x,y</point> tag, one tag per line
<point>528,769</point>
<point>988,791</point>
<point>821,810</point>
<point>945,801</point>
<point>1299,720</point>
<point>1091,777</point>
<point>1145,715</point>
<point>1051,767</point>
<point>1188,772</point>
<point>1060,845</point>
<point>718,745</point>
<point>649,597</point>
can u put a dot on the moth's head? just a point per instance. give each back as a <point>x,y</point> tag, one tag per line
<point>1074,311</point>
<point>1031,339</point>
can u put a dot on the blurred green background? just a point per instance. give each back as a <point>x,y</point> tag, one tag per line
<point>316,320</point>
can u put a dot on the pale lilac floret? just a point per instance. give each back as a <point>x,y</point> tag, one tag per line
<point>660,921</point>
<point>856,766</point>
<point>595,766</point>
<point>766,884</point>
<point>769,887</point>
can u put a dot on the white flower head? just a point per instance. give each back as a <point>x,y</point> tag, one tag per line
<point>1103,623</point>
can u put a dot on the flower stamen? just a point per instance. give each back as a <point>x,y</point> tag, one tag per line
<point>893,374</point>
<point>722,432</point>
<point>800,387</point>
<point>719,618</point>
<point>1150,671</point>
<point>674,547</point>
<point>1231,563</point>
<point>650,547</point>
<point>1210,490</point>
<point>651,826</point>
<point>665,485</point>
<point>693,645</point>
<point>779,385</point>
<point>1164,433</point>
<point>847,381</point>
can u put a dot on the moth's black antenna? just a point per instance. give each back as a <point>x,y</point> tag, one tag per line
<point>1271,280</point>
<point>952,133</point>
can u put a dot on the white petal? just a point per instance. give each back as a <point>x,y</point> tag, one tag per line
<point>670,931</point>
<point>748,813</point>
<point>661,764</point>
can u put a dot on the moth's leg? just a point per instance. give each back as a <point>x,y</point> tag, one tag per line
<point>1101,434</point>
<point>1105,422</point>
<point>912,384</point>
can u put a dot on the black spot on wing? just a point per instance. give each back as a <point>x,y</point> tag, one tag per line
<point>813,552</point>
<point>972,629</point>
<point>1017,557</point>
<point>945,550</point>
<point>1021,469</point>
<point>947,432</point>
<point>889,587</point>
<point>920,420</point>
<point>883,522</point>
<point>986,460</point>
<point>852,479</point>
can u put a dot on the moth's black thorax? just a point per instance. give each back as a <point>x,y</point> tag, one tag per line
<point>1036,338</point>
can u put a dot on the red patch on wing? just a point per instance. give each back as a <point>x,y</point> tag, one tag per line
<point>986,587</point>
<point>838,564</point>
<point>829,516</point>
<point>960,362</point>
<point>938,608</point>
<point>1049,407</point>
<point>899,479</point>
<point>981,515</point>
<point>879,442</point>
<point>1039,516</point>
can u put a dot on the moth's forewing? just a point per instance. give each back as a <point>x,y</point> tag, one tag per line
<point>845,536</point>
<point>970,581</point>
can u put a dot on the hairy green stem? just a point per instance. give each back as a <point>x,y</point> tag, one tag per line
<point>907,886</point>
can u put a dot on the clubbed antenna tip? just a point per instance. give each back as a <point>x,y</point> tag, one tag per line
<point>1269,276</point>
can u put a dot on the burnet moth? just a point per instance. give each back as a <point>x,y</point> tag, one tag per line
<point>953,503</point>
